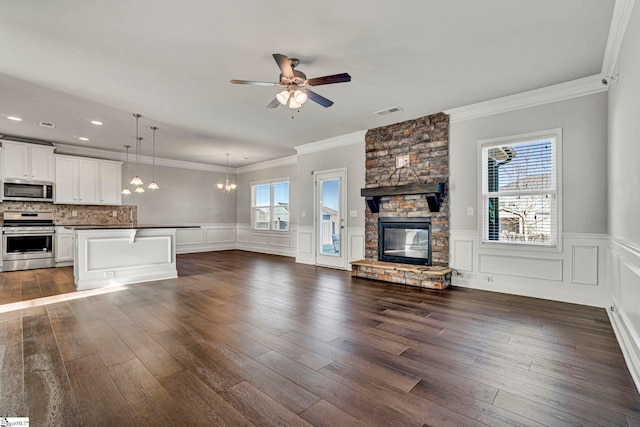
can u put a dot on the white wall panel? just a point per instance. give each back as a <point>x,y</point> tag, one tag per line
<point>356,243</point>
<point>189,236</point>
<point>221,235</point>
<point>584,264</point>
<point>461,252</point>
<point>522,266</point>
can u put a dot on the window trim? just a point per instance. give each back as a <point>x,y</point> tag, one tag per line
<point>271,182</point>
<point>513,139</point>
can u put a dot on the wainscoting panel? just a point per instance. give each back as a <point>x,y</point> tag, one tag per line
<point>305,253</point>
<point>624,297</point>
<point>268,242</point>
<point>205,238</point>
<point>576,275</point>
<point>356,243</point>
<point>258,239</point>
<point>221,235</point>
<point>584,265</point>
<point>461,252</point>
<point>522,266</point>
<point>189,236</point>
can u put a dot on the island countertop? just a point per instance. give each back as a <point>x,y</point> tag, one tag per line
<point>125,226</point>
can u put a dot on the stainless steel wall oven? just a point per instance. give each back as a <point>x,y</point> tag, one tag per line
<point>27,240</point>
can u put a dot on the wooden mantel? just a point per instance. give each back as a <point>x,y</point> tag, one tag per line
<point>432,191</point>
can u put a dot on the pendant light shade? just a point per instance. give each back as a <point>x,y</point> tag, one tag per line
<point>153,185</point>
<point>227,187</point>
<point>126,188</point>
<point>136,179</point>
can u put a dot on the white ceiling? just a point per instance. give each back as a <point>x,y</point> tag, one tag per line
<point>71,61</point>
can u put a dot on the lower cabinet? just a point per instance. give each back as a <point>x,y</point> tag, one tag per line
<point>64,246</point>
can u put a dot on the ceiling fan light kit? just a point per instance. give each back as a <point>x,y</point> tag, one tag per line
<point>296,84</point>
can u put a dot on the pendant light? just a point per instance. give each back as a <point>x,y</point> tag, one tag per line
<point>136,179</point>
<point>126,188</point>
<point>227,187</point>
<point>153,185</point>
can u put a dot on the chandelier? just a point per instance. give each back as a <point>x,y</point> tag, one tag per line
<point>227,187</point>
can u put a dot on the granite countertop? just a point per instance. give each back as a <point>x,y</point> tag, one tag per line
<point>125,226</point>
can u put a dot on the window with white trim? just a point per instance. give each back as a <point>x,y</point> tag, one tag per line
<point>270,205</point>
<point>520,189</point>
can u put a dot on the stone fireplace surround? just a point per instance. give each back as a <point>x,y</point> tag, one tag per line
<point>426,141</point>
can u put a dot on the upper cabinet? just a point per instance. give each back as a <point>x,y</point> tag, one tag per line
<point>85,181</point>
<point>30,162</point>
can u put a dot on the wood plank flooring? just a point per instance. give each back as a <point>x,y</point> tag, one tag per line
<point>242,339</point>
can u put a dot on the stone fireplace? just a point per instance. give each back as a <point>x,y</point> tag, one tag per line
<point>425,142</point>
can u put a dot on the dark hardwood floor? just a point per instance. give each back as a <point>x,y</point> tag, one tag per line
<point>244,339</point>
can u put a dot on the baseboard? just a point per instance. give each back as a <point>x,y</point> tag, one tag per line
<point>629,343</point>
<point>189,249</point>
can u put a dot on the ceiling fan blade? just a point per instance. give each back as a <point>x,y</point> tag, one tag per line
<point>251,82</point>
<point>285,66</point>
<point>327,80</point>
<point>273,104</point>
<point>318,98</point>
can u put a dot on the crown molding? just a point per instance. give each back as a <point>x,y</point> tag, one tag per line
<point>269,164</point>
<point>330,143</point>
<point>617,29</point>
<point>559,92</point>
<point>115,155</point>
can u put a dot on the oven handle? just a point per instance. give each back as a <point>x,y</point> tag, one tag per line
<point>29,233</point>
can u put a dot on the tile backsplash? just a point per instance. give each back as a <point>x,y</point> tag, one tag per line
<point>85,214</point>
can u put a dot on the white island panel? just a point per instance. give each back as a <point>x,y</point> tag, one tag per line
<point>113,257</point>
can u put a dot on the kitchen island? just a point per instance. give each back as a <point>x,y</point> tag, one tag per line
<point>114,255</point>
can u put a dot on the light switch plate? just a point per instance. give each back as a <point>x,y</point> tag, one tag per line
<point>303,214</point>
<point>74,213</point>
<point>470,211</point>
<point>353,213</point>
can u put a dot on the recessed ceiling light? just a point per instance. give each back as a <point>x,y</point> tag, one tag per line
<point>96,122</point>
<point>83,138</point>
<point>14,118</point>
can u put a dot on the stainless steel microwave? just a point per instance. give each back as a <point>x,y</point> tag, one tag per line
<point>27,191</point>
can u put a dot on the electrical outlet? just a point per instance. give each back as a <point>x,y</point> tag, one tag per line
<point>114,214</point>
<point>470,211</point>
<point>74,213</point>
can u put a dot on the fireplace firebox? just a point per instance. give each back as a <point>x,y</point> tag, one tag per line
<point>404,240</point>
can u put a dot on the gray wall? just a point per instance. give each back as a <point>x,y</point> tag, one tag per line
<point>624,139</point>
<point>351,157</point>
<point>584,170</point>
<point>624,191</point>
<point>243,195</point>
<point>185,196</point>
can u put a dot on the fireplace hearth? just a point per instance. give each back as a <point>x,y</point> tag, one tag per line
<point>404,240</point>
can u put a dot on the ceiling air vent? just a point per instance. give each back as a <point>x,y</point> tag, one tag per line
<point>47,125</point>
<point>389,111</point>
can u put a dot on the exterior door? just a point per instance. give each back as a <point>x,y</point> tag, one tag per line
<point>330,218</point>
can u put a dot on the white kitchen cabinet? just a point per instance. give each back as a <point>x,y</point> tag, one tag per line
<point>64,248</point>
<point>27,161</point>
<point>88,176</point>
<point>76,180</point>
<point>110,183</point>
<point>85,181</point>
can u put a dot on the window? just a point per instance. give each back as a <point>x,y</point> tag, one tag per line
<point>520,189</point>
<point>270,205</point>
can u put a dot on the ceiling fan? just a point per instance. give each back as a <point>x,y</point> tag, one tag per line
<point>296,85</point>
